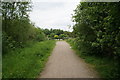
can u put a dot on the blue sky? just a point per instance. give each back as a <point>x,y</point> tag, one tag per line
<point>54,14</point>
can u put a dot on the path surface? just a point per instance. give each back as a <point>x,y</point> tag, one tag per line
<point>64,63</point>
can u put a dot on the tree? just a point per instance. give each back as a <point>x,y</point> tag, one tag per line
<point>58,31</point>
<point>39,35</point>
<point>97,30</point>
<point>62,36</point>
<point>47,31</point>
<point>56,36</point>
<point>15,20</point>
<point>50,33</point>
<point>17,28</point>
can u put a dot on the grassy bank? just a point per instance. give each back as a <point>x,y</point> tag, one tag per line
<point>103,65</point>
<point>27,62</point>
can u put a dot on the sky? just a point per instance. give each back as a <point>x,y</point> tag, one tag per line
<point>56,14</point>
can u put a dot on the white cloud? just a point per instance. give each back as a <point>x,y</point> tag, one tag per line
<point>50,14</point>
<point>56,0</point>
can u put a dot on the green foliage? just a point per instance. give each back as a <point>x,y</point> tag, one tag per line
<point>27,62</point>
<point>15,22</point>
<point>96,25</point>
<point>107,67</point>
<point>51,36</point>
<point>15,10</point>
<point>57,31</point>
<point>62,36</point>
<point>98,29</point>
<point>56,36</point>
<point>17,28</point>
<point>7,43</point>
<point>52,32</point>
<point>39,35</point>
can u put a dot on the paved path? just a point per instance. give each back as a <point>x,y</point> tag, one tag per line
<point>64,63</point>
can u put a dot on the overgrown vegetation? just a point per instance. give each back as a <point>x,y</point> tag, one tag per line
<point>97,30</point>
<point>103,65</point>
<point>27,62</point>
<point>16,26</point>
<point>24,48</point>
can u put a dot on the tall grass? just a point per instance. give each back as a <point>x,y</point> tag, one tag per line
<point>105,66</point>
<point>27,62</point>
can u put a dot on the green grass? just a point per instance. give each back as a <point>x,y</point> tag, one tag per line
<point>104,66</point>
<point>27,62</point>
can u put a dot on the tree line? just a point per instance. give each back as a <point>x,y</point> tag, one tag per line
<point>17,28</point>
<point>97,29</point>
<point>57,34</point>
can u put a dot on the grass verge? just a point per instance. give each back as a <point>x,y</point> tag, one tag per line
<point>27,62</point>
<point>103,65</point>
